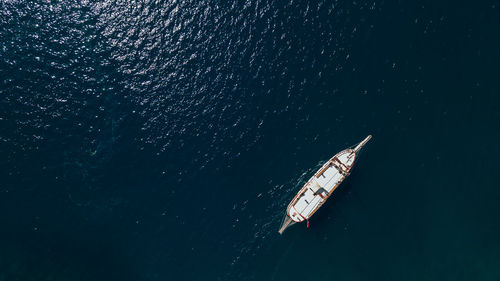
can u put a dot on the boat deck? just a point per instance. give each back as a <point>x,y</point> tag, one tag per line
<point>320,186</point>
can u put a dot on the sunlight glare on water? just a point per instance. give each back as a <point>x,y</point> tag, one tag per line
<point>163,140</point>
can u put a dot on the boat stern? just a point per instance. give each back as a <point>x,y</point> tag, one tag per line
<point>287,222</point>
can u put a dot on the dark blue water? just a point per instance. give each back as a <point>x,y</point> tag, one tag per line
<point>162,140</point>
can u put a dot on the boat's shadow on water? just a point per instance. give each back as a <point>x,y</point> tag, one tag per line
<point>333,210</point>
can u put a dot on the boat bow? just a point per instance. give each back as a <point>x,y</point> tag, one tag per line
<point>361,144</point>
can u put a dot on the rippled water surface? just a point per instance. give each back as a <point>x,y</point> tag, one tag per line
<point>162,140</point>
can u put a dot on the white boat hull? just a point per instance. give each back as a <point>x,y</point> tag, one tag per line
<point>320,186</point>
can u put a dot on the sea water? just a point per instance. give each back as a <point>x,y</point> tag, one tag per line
<point>163,140</point>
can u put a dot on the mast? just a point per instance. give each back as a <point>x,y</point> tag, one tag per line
<point>361,144</point>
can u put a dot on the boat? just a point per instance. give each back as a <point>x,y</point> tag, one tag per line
<point>320,186</point>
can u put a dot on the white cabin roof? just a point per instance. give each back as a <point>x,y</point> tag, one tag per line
<point>329,178</point>
<point>318,188</point>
